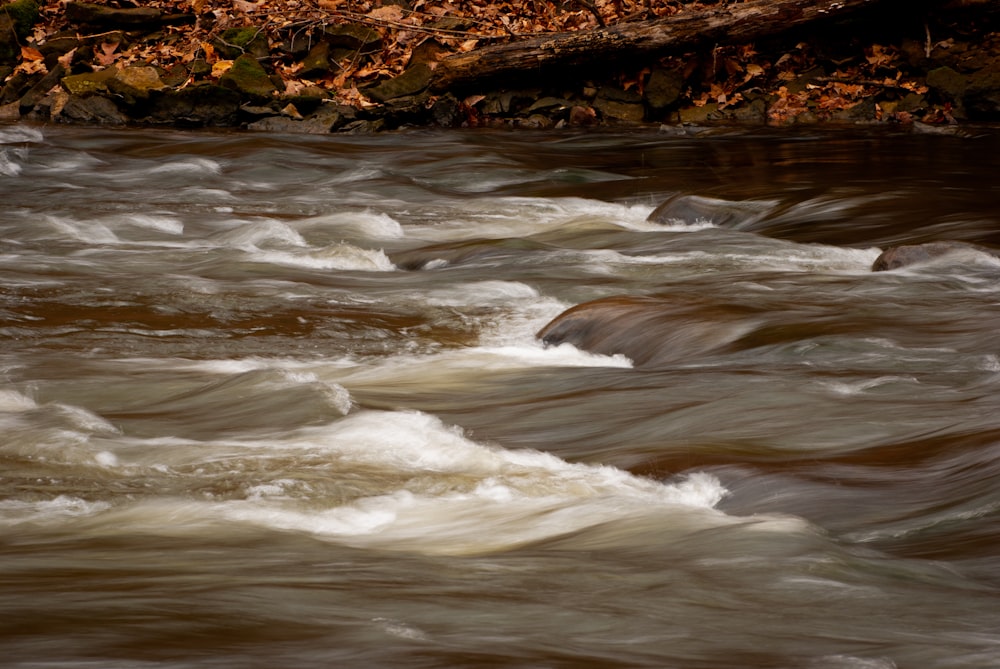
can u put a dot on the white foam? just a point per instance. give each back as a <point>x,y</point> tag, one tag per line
<point>267,232</point>
<point>366,223</point>
<point>480,293</point>
<point>859,387</point>
<point>524,216</point>
<point>12,401</point>
<point>17,134</point>
<point>167,224</point>
<point>193,166</point>
<point>338,256</point>
<point>463,497</point>
<point>9,167</point>
<point>59,509</point>
<point>91,232</point>
<point>83,420</point>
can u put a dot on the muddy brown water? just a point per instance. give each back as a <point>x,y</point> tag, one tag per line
<point>277,401</point>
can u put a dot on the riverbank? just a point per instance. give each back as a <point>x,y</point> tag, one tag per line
<point>293,66</point>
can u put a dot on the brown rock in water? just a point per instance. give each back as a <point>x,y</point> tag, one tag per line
<point>895,257</point>
<point>649,330</point>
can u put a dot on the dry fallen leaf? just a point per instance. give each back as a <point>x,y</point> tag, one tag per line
<point>67,58</point>
<point>30,53</point>
<point>390,13</point>
<point>32,67</point>
<point>106,54</point>
<point>221,67</point>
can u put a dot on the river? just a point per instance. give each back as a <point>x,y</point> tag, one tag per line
<point>277,401</point>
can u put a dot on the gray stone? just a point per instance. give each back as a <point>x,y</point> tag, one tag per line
<point>619,95</point>
<point>237,42</point>
<point>912,102</point>
<point>753,112</point>
<point>947,82</point>
<point>550,104</point>
<point>41,89</point>
<point>664,89</point>
<point>291,125</point>
<point>317,62</point>
<point>201,105</point>
<point>801,82</point>
<point>699,115</point>
<point>10,111</point>
<point>91,14</point>
<point>92,109</point>
<point>446,112</point>
<point>617,104</point>
<point>862,111</point>
<point>17,85</point>
<point>353,36</point>
<point>411,82</point>
<point>896,257</point>
<point>982,97</point>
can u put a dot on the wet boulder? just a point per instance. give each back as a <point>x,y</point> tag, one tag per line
<point>650,330</point>
<point>896,257</point>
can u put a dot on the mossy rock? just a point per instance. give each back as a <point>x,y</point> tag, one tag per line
<point>135,84</point>
<point>664,88</point>
<point>90,83</point>
<point>236,42</point>
<point>249,78</point>
<point>23,14</point>
<point>353,36</point>
<point>411,82</point>
<point>947,82</point>
<point>10,50</point>
<point>317,62</point>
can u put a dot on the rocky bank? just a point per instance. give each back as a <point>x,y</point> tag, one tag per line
<point>124,64</point>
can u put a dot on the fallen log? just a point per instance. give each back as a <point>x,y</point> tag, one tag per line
<point>729,24</point>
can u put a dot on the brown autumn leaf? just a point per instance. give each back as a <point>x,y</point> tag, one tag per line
<point>32,67</point>
<point>208,49</point>
<point>221,67</point>
<point>106,54</point>
<point>31,53</point>
<point>388,13</point>
<point>67,58</point>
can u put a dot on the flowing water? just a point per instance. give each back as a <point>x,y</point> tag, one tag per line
<point>275,401</point>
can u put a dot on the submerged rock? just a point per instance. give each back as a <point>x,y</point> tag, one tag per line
<point>649,330</point>
<point>896,257</point>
